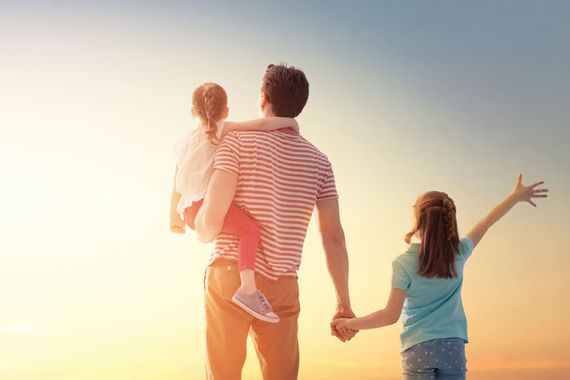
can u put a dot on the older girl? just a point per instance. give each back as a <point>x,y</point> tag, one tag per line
<point>426,284</point>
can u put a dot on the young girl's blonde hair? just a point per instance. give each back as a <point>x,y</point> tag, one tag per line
<point>209,103</point>
<point>436,225</point>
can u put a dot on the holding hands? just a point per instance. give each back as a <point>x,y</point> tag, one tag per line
<point>339,324</point>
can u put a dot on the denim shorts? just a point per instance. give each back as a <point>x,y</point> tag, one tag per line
<point>442,359</point>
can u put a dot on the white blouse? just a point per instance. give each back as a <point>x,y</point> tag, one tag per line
<point>195,159</point>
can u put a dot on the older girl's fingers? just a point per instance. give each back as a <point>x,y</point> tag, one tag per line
<point>539,195</point>
<point>340,335</point>
<point>350,335</point>
<point>532,203</point>
<point>540,190</point>
<point>536,184</point>
<point>338,331</point>
<point>346,335</point>
<point>341,330</point>
<point>351,332</point>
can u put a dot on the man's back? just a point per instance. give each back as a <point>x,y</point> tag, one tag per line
<point>281,176</point>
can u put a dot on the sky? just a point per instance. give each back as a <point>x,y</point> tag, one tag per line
<point>405,97</point>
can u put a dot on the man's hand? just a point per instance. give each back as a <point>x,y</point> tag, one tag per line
<point>221,190</point>
<point>342,333</point>
<point>337,261</point>
<point>177,224</point>
<point>206,232</point>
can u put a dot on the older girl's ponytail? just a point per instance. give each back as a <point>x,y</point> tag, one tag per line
<point>436,225</point>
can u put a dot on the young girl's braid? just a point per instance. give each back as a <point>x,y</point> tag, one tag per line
<point>209,114</point>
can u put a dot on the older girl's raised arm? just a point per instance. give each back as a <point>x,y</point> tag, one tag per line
<point>520,193</point>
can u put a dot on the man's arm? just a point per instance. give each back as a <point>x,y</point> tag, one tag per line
<point>337,259</point>
<point>221,191</point>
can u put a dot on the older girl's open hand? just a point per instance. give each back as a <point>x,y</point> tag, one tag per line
<point>528,193</point>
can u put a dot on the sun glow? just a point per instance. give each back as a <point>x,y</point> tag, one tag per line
<point>403,99</point>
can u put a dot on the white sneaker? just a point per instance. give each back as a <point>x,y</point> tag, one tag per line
<point>256,305</point>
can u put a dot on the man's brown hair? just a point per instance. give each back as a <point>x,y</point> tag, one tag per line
<point>436,226</point>
<point>286,88</point>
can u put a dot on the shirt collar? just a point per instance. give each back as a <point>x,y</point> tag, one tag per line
<point>414,247</point>
<point>289,131</point>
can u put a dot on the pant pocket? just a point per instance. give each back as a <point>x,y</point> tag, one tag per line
<point>223,279</point>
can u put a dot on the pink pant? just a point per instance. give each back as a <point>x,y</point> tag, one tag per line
<point>237,222</point>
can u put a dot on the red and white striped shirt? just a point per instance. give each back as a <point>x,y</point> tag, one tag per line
<point>281,176</point>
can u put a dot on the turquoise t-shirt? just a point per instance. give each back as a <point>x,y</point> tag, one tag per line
<point>433,307</point>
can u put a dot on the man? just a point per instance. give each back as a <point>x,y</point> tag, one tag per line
<point>278,177</point>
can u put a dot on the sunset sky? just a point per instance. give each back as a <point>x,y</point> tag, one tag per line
<point>406,96</point>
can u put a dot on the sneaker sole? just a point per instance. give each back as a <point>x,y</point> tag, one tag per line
<point>253,313</point>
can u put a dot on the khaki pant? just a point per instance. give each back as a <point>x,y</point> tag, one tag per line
<point>227,326</point>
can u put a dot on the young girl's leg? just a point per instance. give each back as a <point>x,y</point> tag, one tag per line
<point>190,213</point>
<point>240,223</point>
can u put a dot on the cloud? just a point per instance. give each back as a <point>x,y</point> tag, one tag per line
<point>18,329</point>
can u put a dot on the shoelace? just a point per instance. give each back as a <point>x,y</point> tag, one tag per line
<point>263,302</point>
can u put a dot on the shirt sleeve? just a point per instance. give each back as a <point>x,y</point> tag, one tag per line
<point>227,157</point>
<point>400,279</point>
<point>178,149</point>
<point>328,188</point>
<point>465,248</point>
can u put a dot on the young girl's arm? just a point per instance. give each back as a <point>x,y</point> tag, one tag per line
<point>387,316</point>
<point>176,222</point>
<point>520,193</point>
<point>263,124</point>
